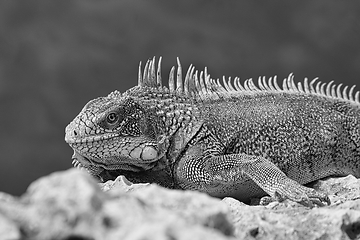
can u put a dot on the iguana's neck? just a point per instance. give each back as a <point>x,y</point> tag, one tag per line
<point>177,120</point>
<point>172,111</point>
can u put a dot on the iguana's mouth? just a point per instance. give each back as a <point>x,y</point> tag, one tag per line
<point>80,161</point>
<point>100,173</point>
<point>95,168</point>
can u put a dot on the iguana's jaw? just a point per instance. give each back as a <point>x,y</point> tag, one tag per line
<point>110,148</point>
<point>80,162</point>
<point>98,169</point>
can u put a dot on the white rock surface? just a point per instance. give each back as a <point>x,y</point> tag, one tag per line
<point>71,205</point>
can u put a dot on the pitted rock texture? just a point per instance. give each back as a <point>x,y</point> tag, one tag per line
<point>71,205</point>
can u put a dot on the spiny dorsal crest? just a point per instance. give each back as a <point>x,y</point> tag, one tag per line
<point>202,87</point>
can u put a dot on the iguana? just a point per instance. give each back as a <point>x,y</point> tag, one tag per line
<point>226,139</point>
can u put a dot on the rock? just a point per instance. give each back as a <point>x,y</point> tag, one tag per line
<point>71,205</point>
<point>283,222</point>
<point>8,229</point>
<point>289,220</point>
<point>121,184</point>
<point>339,189</point>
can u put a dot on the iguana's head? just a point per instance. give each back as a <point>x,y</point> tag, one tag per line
<point>114,132</point>
<point>128,131</point>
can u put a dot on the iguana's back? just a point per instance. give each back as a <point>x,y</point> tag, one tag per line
<point>307,136</point>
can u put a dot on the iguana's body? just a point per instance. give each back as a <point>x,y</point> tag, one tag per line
<point>229,140</point>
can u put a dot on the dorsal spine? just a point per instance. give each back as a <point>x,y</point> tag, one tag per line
<point>200,85</point>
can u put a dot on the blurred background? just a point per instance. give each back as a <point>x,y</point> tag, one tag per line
<point>57,55</point>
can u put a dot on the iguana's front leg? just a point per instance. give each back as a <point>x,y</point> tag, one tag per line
<point>240,175</point>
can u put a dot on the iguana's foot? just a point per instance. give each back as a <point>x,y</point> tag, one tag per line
<point>298,193</point>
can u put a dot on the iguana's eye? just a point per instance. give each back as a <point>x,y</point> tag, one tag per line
<point>112,118</point>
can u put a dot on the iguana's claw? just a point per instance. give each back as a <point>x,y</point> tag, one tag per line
<point>313,197</point>
<point>306,196</point>
<point>307,201</point>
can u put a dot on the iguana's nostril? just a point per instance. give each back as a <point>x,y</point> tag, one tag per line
<point>71,133</point>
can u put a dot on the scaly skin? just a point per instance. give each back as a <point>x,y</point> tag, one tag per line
<point>223,139</point>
